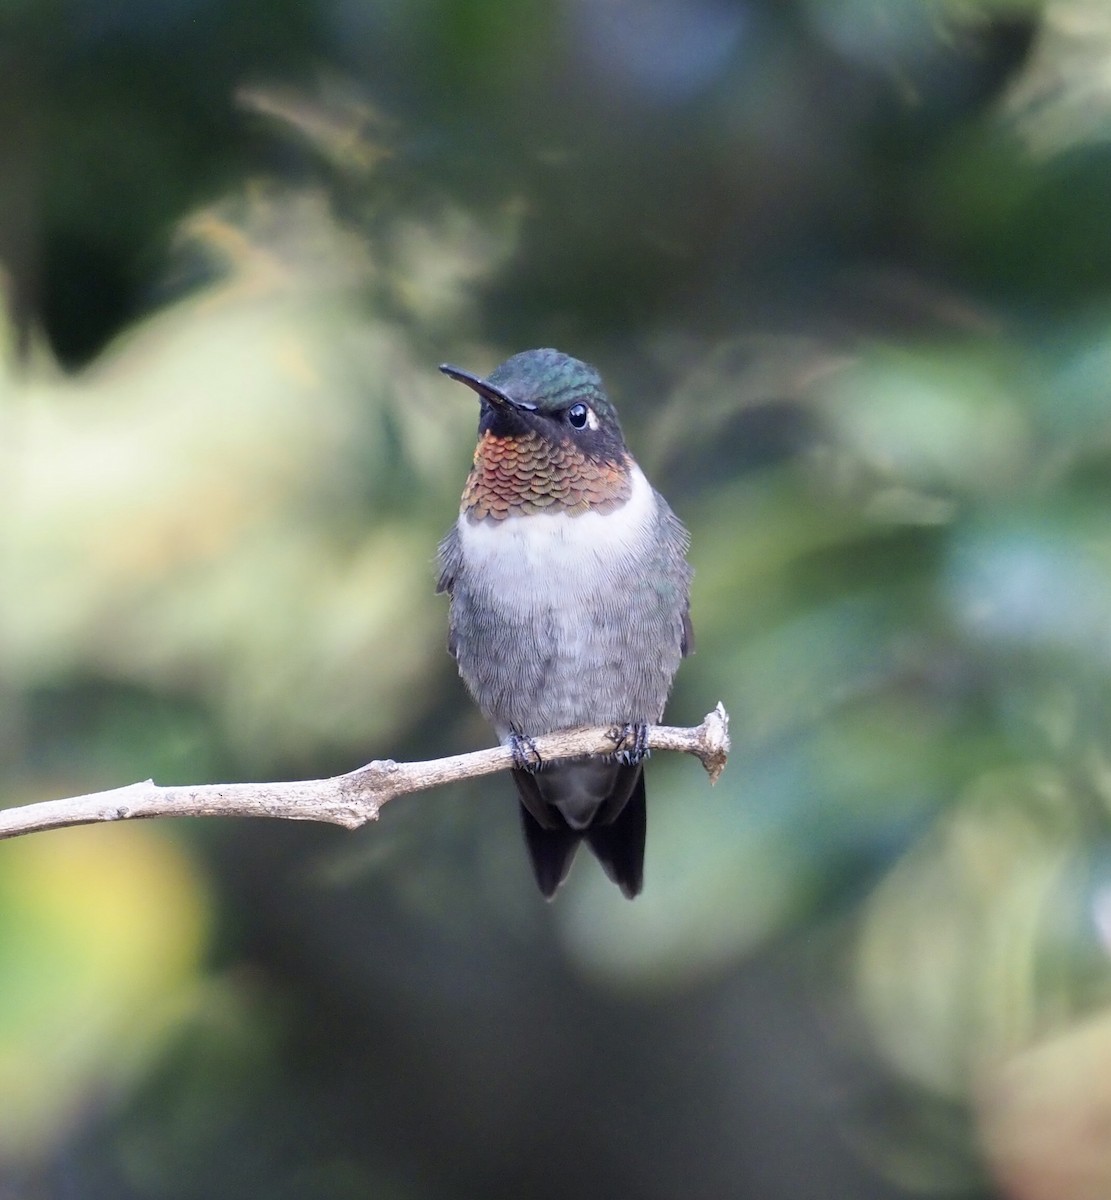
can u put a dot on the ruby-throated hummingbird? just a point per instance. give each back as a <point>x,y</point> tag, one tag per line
<point>569,593</point>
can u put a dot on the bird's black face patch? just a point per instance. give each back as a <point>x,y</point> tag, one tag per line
<point>501,421</point>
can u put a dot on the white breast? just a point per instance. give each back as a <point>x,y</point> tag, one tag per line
<point>553,559</point>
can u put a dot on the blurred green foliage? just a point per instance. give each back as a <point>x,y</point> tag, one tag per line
<point>846,268</point>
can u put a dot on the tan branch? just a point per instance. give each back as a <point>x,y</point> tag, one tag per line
<point>353,799</point>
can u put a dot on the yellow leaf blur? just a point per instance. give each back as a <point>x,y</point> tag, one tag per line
<point>101,932</point>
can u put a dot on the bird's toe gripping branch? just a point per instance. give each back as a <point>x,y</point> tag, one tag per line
<point>526,757</point>
<point>631,742</point>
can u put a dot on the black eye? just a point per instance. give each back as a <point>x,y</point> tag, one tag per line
<point>577,415</point>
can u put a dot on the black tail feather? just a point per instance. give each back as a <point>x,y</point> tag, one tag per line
<point>550,850</point>
<point>619,846</point>
<point>616,836</point>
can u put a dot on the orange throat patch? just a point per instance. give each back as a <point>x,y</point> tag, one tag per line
<point>516,476</point>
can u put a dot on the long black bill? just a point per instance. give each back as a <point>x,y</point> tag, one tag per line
<point>486,390</point>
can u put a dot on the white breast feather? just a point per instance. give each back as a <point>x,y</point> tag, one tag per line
<point>555,560</point>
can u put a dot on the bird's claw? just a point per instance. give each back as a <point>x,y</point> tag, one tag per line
<point>526,757</point>
<point>632,743</point>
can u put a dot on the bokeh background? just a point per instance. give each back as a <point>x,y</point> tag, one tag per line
<point>846,268</point>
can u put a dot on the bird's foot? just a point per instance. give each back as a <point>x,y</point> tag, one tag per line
<point>526,757</point>
<point>632,743</point>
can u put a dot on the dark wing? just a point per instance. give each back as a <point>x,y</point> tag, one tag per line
<point>673,570</point>
<point>450,559</point>
<point>451,562</point>
<point>686,646</point>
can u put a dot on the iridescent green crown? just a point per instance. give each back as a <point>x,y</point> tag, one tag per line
<point>550,381</point>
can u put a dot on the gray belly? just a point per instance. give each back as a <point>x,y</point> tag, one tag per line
<point>567,656</point>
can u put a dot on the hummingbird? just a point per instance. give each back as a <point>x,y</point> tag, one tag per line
<point>570,604</point>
